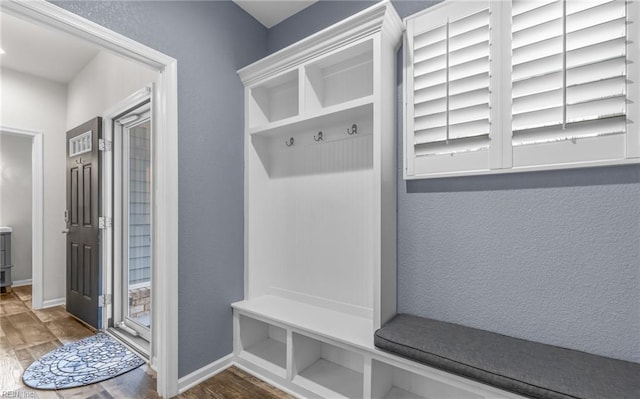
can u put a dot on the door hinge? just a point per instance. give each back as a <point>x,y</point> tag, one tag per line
<point>104,300</point>
<point>104,145</point>
<point>104,222</point>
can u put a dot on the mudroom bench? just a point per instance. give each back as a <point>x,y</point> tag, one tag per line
<point>527,368</point>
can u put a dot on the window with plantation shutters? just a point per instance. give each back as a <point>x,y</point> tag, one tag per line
<point>506,86</point>
<point>569,78</point>
<point>449,80</point>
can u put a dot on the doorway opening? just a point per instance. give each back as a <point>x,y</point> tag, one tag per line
<point>36,212</point>
<point>164,342</point>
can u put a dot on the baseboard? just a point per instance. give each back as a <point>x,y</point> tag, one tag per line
<point>49,303</point>
<point>192,379</point>
<point>20,283</point>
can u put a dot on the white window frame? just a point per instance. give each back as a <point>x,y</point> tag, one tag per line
<point>501,148</point>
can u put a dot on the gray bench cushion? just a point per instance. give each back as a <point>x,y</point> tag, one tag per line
<point>524,367</point>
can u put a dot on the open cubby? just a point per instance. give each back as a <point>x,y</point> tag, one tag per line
<point>341,77</point>
<point>327,370</point>
<point>274,99</point>
<point>390,382</point>
<point>264,345</point>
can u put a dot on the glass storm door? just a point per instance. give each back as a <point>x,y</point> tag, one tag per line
<point>136,205</point>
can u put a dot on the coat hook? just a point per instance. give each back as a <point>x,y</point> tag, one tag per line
<point>289,142</point>
<point>318,137</point>
<point>353,130</point>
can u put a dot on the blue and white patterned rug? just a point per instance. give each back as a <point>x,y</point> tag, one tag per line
<point>85,362</point>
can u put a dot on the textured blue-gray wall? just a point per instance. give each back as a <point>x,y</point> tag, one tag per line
<point>210,40</point>
<point>552,257</point>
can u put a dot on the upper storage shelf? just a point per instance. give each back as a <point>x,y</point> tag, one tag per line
<point>341,77</point>
<point>334,83</point>
<point>274,100</point>
<point>330,71</point>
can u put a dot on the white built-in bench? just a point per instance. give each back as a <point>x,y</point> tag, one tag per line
<point>528,368</point>
<point>315,352</point>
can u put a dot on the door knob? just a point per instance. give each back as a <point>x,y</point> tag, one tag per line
<point>65,231</point>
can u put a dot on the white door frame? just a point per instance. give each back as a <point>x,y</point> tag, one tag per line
<point>37,209</point>
<point>164,354</point>
<point>112,243</point>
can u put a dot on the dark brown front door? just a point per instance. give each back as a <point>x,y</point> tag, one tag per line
<point>83,179</point>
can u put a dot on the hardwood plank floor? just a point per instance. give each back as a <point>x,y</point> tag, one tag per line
<point>26,335</point>
<point>234,383</point>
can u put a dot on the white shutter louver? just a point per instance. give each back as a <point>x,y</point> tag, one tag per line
<point>568,81</point>
<point>450,85</point>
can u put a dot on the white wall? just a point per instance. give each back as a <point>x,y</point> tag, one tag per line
<point>31,103</point>
<point>15,200</point>
<point>101,84</point>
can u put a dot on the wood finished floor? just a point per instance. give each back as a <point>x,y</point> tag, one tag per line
<point>27,334</point>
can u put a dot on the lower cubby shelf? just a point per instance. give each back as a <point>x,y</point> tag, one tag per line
<point>264,345</point>
<point>317,353</point>
<point>390,382</point>
<point>326,369</point>
<point>397,393</point>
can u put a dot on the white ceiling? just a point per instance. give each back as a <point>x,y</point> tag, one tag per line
<point>270,12</point>
<point>42,52</point>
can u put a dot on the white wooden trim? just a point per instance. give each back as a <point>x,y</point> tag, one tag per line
<point>633,76</point>
<point>165,326</point>
<point>204,373</point>
<point>37,213</point>
<point>50,303</point>
<point>247,187</point>
<point>37,222</point>
<point>408,149</point>
<point>576,165</point>
<point>165,346</point>
<point>500,152</point>
<point>21,283</point>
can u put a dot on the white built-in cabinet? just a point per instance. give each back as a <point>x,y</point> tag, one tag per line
<point>320,167</point>
<point>320,218</point>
